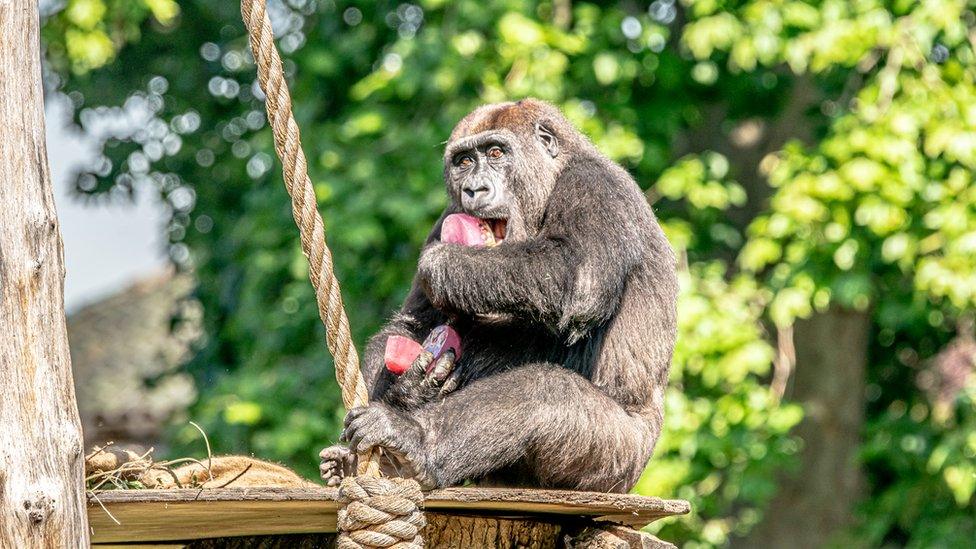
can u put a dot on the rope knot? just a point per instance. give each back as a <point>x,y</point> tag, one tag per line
<point>380,512</point>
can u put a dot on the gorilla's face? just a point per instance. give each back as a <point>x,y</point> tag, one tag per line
<point>480,172</point>
<point>500,166</point>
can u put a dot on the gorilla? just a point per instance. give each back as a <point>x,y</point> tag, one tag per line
<point>567,324</point>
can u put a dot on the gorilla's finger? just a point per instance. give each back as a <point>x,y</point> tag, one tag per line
<point>421,363</point>
<point>353,414</point>
<point>356,429</point>
<point>359,443</point>
<point>441,369</point>
<point>347,434</point>
<point>335,452</point>
<point>450,385</point>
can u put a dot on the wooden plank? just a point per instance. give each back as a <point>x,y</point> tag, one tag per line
<point>172,515</point>
<point>627,508</point>
<point>172,521</point>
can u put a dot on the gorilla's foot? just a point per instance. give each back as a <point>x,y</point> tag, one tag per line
<point>337,463</point>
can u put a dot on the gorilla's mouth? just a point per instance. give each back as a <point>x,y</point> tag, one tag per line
<point>468,230</point>
<point>497,228</point>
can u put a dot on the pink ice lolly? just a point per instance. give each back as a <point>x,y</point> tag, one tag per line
<point>441,340</point>
<point>400,353</point>
<point>460,228</point>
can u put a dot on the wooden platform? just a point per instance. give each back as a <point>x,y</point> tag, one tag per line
<point>174,516</point>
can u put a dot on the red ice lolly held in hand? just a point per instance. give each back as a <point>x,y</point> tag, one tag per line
<point>401,351</point>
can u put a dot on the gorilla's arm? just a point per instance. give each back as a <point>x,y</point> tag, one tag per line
<point>570,276</point>
<point>415,320</point>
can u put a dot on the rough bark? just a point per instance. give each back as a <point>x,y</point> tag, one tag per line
<point>612,536</point>
<point>42,500</point>
<point>442,531</point>
<point>496,532</point>
<point>816,502</point>
<point>450,531</point>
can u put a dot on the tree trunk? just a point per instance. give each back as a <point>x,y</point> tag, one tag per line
<point>749,141</point>
<point>817,502</point>
<point>42,497</point>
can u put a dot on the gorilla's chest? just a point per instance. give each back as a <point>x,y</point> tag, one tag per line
<point>489,349</point>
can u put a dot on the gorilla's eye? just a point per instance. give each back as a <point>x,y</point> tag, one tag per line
<point>495,152</point>
<point>464,161</point>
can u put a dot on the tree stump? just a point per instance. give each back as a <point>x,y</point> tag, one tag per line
<point>444,530</point>
<point>612,536</point>
<point>462,531</point>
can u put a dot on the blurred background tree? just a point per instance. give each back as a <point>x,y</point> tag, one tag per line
<point>812,162</point>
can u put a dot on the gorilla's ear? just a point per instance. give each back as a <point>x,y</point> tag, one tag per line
<point>547,138</point>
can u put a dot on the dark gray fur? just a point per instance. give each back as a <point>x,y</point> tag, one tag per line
<point>568,326</point>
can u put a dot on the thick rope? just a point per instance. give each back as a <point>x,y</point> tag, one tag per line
<point>288,145</point>
<point>378,512</point>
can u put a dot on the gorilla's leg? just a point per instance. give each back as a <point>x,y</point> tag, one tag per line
<point>551,425</point>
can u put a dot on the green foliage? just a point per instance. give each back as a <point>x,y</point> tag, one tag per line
<point>699,193</point>
<point>878,201</point>
<point>928,465</point>
<point>724,429</point>
<point>887,192</point>
<point>883,206</point>
<point>86,34</point>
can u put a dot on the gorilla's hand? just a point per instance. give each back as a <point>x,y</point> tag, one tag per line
<point>442,377</point>
<point>434,376</point>
<point>379,425</point>
<point>425,381</point>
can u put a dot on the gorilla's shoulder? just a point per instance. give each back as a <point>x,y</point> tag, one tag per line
<point>600,179</point>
